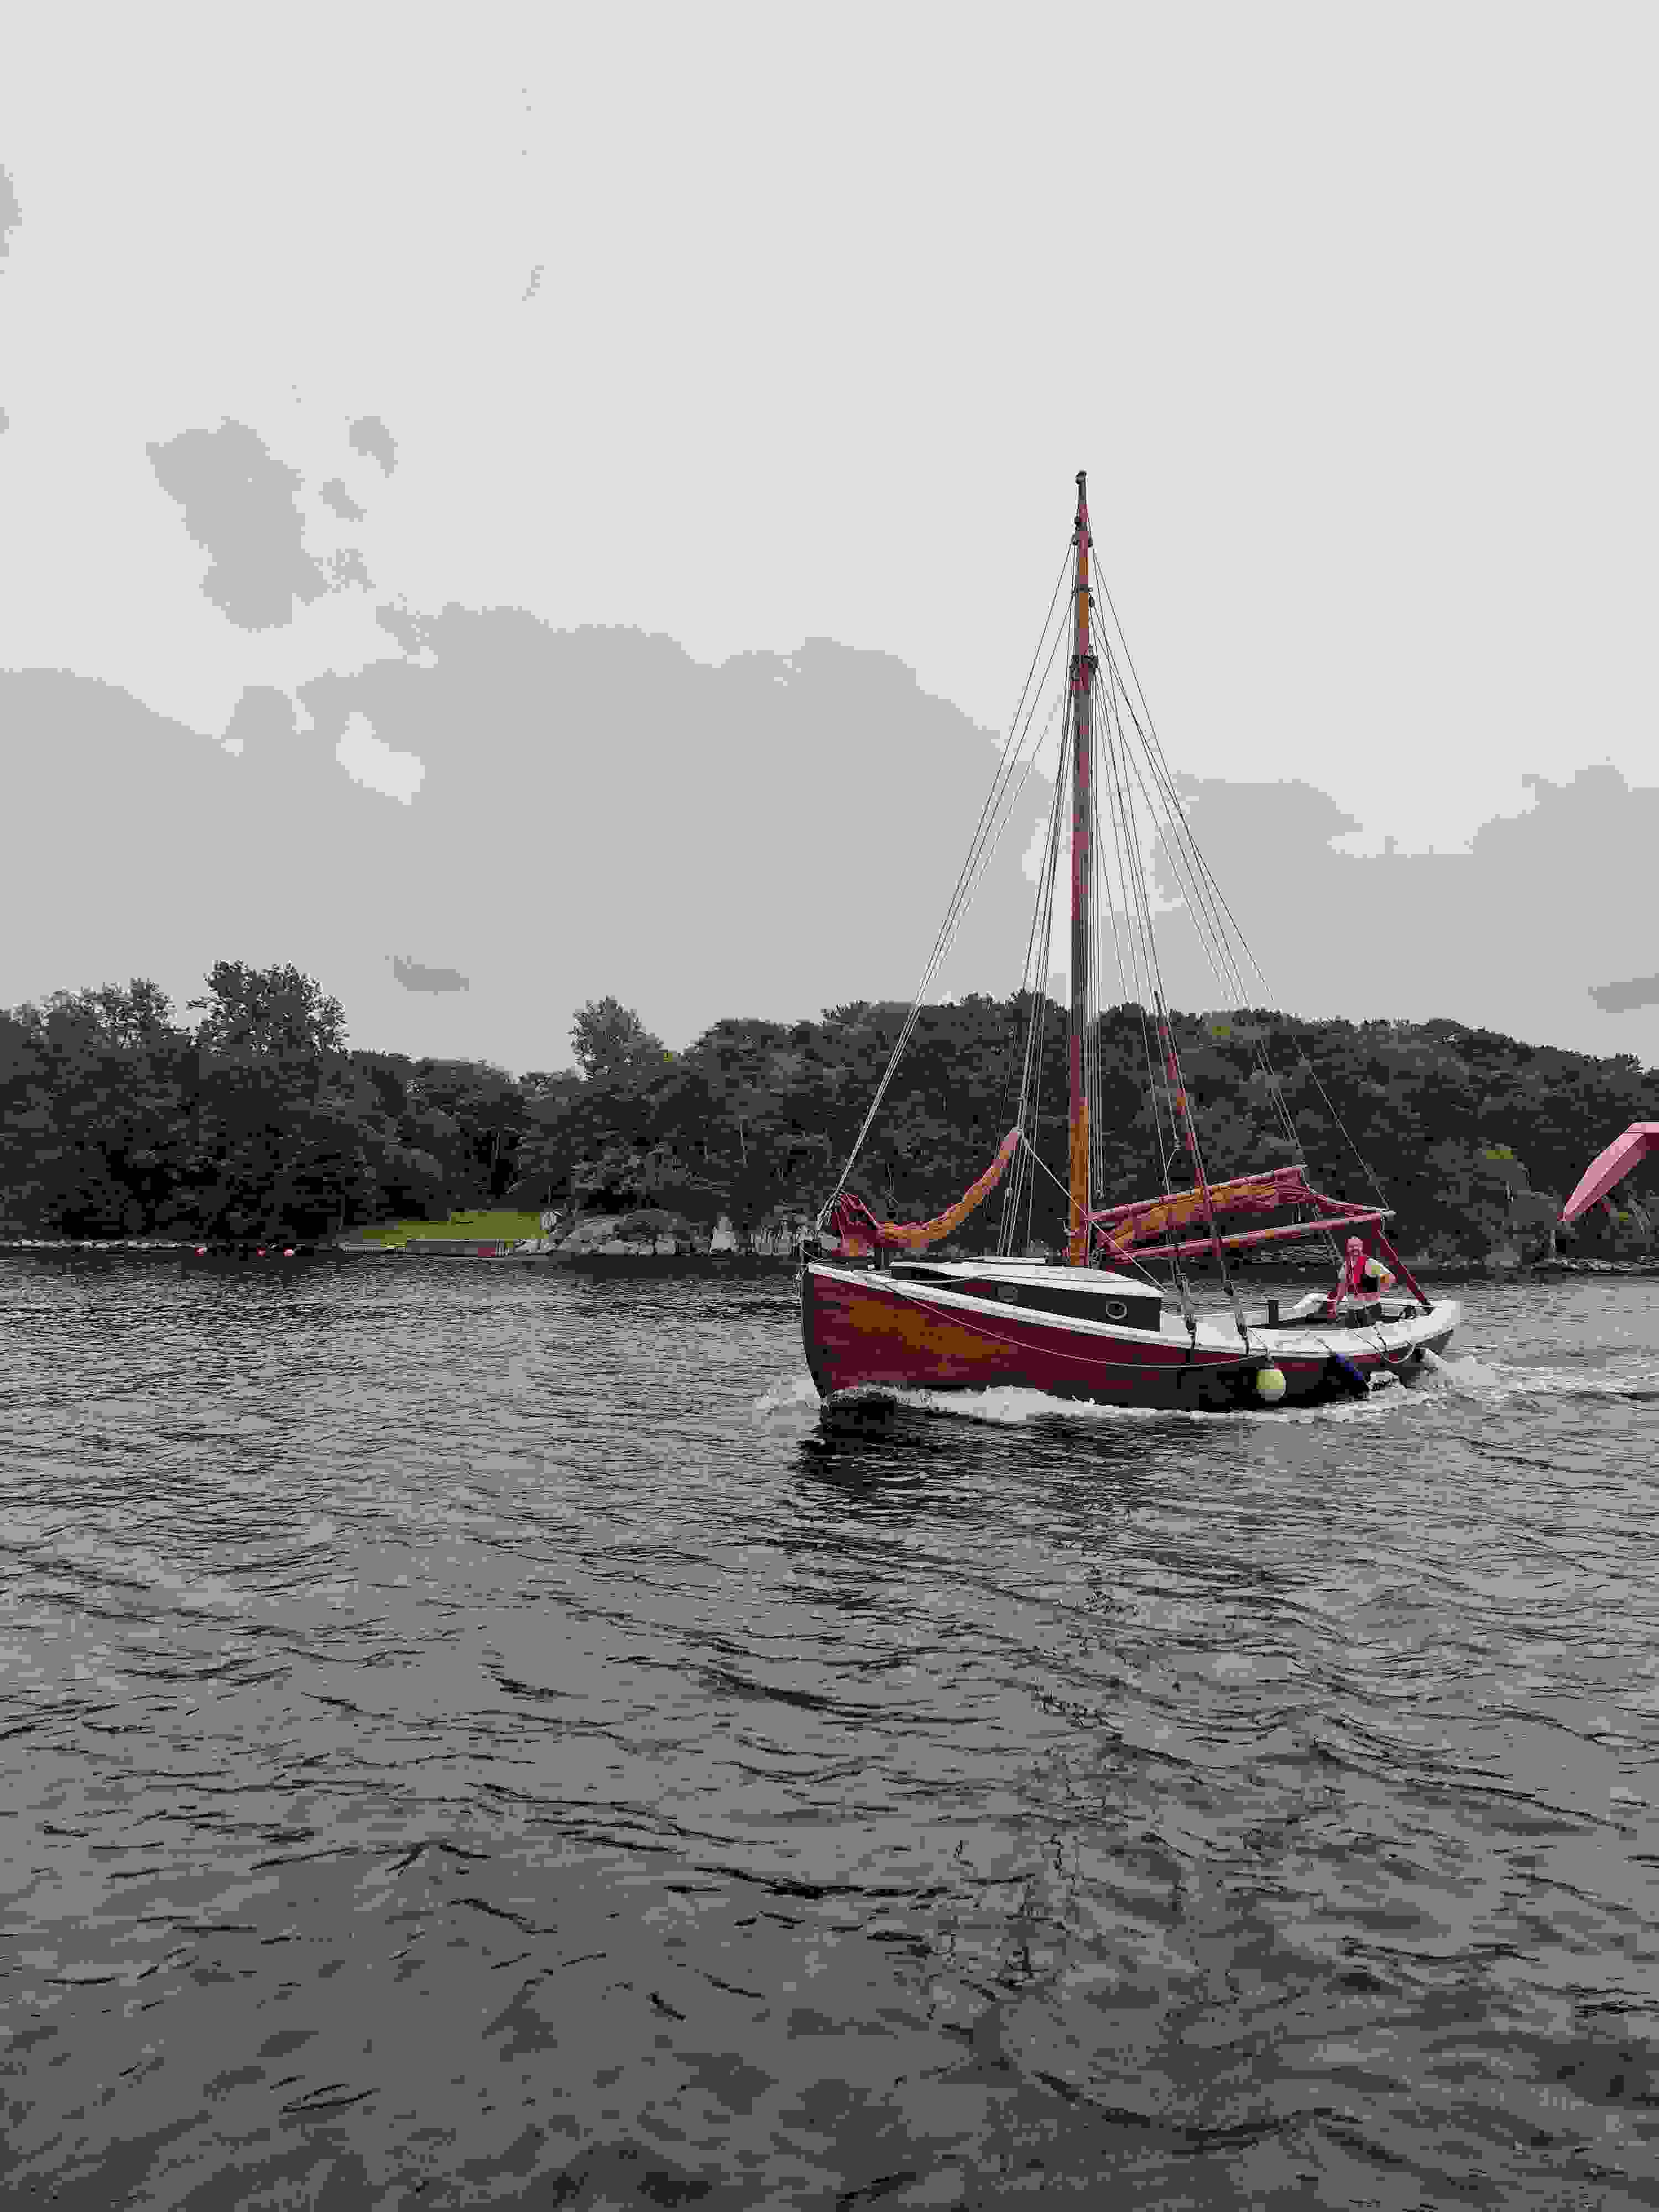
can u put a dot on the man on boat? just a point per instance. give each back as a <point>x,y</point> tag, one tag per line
<point>1358,1284</point>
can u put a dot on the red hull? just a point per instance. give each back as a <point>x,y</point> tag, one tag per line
<point>862,1331</point>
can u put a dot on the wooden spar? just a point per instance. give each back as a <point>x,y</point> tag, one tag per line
<point>1225,1196</point>
<point>1292,1189</point>
<point>1392,1259</point>
<point>1243,1237</point>
<point>1083,670</point>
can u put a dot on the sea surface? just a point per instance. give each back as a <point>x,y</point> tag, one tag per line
<point>474,1737</point>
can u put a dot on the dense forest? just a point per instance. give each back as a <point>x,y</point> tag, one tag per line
<point>119,1118</point>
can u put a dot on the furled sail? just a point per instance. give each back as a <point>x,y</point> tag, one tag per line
<point>860,1233</point>
<point>1122,1226</point>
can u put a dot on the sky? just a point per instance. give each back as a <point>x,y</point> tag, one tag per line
<point>739,329</point>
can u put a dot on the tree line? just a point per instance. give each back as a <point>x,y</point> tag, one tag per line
<point>121,1117</point>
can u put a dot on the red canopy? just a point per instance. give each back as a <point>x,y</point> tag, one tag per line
<point>1610,1167</point>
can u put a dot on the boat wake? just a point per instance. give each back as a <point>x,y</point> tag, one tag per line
<point>1007,1406</point>
<point>1467,1372</point>
<point>1506,1379</point>
<point>793,1400</point>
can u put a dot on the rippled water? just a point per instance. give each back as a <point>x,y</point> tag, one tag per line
<point>472,1736</point>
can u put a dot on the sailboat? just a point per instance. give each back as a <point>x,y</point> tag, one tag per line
<point>1100,1324</point>
<point>1607,1170</point>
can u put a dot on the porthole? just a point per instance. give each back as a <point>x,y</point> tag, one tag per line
<point>1009,1293</point>
<point>1116,1309</point>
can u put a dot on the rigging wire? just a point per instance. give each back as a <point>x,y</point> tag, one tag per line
<point>993,818</point>
<point>1024,984</point>
<point>1137,981</point>
<point>1131,998</point>
<point>1141,973</point>
<point>1034,980</point>
<point>1041,985</point>
<point>1224,970</point>
<point>1131,869</point>
<point>1154,748</point>
<point>1214,945</point>
<point>1096,1122</point>
<point>1166,825</point>
<point>1132,872</point>
<point>1038,940</point>
<point>1194,879</point>
<point>1206,904</point>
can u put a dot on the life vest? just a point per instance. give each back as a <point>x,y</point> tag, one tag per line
<point>1362,1277</point>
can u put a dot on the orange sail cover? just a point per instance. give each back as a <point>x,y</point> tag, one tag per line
<point>1610,1167</point>
<point>1124,1226</point>
<point>852,1221</point>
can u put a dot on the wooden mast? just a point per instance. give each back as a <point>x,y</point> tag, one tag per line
<point>1082,670</point>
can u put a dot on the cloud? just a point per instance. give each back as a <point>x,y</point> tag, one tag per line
<point>369,434</point>
<point>416,978</point>
<point>600,812</point>
<point>334,495</point>
<point>410,630</point>
<point>11,215</point>
<point>597,811</point>
<point>261,714</point>
<point>376,766</point>
<point>346,568</point>
<point>701,840</point>
<point>240,504</point>
<point>1625,998</point>
<point>1498,937</point>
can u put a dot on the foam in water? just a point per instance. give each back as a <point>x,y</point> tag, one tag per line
<point>1465,1372</point>
<point>787,1395</point>
<point>1469,1372</point>
<point>1006,1406</point>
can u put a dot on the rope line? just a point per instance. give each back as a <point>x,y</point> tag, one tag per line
<point>973,868</point>
<point>1148,814</point>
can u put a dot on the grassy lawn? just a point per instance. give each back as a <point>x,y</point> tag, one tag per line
<point>484,1228</point>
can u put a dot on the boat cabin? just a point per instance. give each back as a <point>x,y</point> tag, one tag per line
<point>1038,1286</point>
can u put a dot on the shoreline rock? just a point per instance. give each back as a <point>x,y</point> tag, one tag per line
<point>653,1232</point>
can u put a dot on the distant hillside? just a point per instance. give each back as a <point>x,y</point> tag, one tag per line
<point>115,1119</point>
<point>1474,1139</point>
